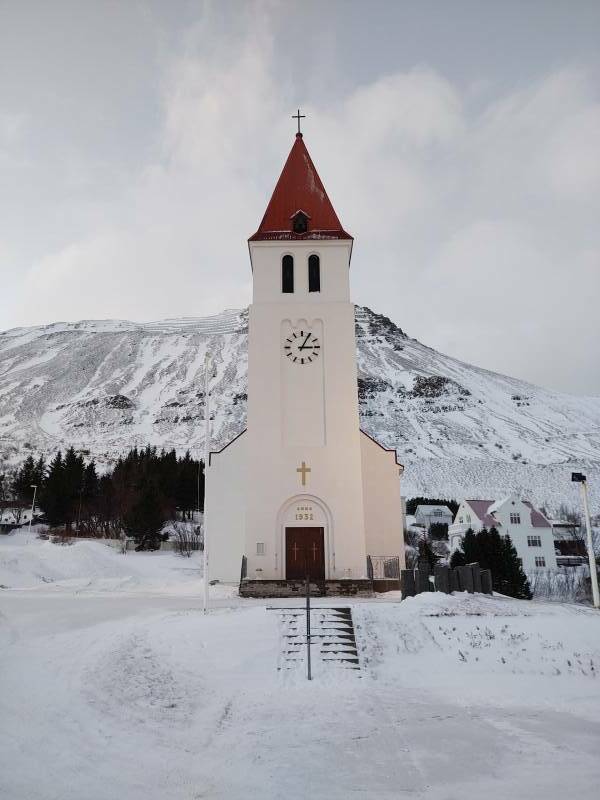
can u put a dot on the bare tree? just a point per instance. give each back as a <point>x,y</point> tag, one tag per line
<point>576,544</point>
<point>186,538</point>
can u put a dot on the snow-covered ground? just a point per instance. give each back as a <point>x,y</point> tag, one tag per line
<point>113,684</point>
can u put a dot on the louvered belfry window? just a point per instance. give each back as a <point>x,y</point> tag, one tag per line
<point>287,274</point>
<point>314,274</point>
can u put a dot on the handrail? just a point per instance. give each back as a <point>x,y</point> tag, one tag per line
<point>308,664</point>
<point>384,567</point>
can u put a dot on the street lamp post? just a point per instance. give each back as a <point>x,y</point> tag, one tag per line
<point>578,477</point>
<point>207,363</point>
<point>34,487</point>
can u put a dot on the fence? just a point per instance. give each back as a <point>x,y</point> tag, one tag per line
<point>383,568</point>
<point>384,572</point>
<point>470,578</point>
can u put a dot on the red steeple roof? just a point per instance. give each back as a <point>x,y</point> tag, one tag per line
<point>299,188</point>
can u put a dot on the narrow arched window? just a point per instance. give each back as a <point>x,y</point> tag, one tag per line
<point>314,274</point>
<point>287,274</point>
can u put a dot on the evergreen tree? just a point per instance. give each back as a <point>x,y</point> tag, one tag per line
<point>25,477</point>
<point>457,559</point>
<point>438,531</point>
<point>427,554</point>
<point>40,471</point>
<point>144,520</point>
<point>516,582</point>
<point>52,497</point>
<point>187,485</point>
<point>91,483</point>
<point>73,486</point>
<point>70,489</point>
<point>496,553</point>
<point>469,546</point>
<point>491,556</point>
<point>106,503</point>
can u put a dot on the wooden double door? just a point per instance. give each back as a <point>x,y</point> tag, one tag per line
<point>304,553</point>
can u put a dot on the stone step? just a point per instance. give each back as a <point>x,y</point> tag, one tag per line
<point>332,637</point>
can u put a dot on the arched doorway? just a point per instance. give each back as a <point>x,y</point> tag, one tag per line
<point>306,539</point>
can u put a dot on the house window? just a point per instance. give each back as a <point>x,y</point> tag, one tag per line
<point>300,222</point>
<point>460,519</point>
<point>515,519</point>
<point>534,541</point>
<point>287,275</point>
<point>468,518</point>
<point>260,548</point>
<point>314,274</point>
<point>540,561</point>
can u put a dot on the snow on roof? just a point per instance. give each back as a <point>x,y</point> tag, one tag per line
<point>538,520</point>
<point>481,509</point>
<point>485,510</point>
<point>497,504</point>
<point>431,508</point>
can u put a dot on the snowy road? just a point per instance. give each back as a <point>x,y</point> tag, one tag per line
<point>113,694</point>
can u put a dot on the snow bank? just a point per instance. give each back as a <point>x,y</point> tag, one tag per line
<point>475,648</point>
<point>27,562</point>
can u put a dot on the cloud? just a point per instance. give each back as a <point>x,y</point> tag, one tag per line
<point>475,215</point>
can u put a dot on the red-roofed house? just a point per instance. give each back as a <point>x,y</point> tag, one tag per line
<point>530,531</point>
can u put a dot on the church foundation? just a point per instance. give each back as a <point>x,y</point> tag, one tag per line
<point>346,587</point>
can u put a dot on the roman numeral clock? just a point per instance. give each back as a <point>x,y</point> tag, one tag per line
<point>302,346</point>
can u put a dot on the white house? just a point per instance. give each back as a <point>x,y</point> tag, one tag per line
<point>302,487</point>
<point>430,515</point>
<point>530,531</point>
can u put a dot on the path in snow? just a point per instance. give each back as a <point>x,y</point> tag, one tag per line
<point>122,694</point>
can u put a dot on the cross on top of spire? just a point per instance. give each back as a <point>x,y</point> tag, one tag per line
<point>299,116</point>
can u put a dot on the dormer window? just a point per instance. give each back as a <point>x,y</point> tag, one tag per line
<point>300,222</point>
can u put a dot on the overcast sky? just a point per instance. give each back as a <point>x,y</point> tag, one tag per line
<point>459,142</point>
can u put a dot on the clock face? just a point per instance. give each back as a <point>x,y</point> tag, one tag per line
<point>302,346</point>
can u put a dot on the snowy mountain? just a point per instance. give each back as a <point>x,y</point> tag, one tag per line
<point>105,386</point>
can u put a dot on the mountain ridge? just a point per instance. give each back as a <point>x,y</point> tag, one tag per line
<point>107,385</point>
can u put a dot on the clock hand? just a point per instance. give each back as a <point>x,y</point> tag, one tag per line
<point>303,345</point>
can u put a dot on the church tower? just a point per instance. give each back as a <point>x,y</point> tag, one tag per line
<point>303,490</point>
<point>303,426</point>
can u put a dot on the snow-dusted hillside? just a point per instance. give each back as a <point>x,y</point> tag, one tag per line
<point>105,386</point>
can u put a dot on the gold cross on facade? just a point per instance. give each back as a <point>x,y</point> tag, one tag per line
<point>303,470</point>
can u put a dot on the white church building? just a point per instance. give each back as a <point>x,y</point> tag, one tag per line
<point>302,490</point>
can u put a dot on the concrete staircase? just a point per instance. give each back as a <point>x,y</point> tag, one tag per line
<point>333,643</point>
